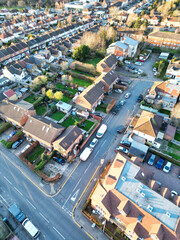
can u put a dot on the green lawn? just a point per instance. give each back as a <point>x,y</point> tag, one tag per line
<point>101,108</point>
<point>93,61</point>
<point>177,136</point>
<point>61,86</point>
<point>165,112</point>
<point>88,125</point>
<point>40,109</point>
<point>65,99</point>
<point>31,99</point>
<point>35,154</point>
<point>174,146</point>
<point>83,73</point>
<point>81,82</point>
<point>172,150</point>
<point>72,120</point>
<point>58,115</point>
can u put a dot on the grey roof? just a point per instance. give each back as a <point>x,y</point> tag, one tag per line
<point>121,45</point>
<point>168,35</point>
<point>95,93</point>
<point>14,70</point>
<point>110,77</point>
<point>131,41</point>
<point>111,60</point>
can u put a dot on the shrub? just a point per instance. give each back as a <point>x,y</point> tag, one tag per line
<point>53,108</point>
<point>4,127</point>
<point>40,165</point>
<point>37,101</point>
<point>8,145</point>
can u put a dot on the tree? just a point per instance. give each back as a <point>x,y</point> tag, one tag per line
<point>113,12</point>
<point>111,34</point>
<point>144,25</point>
<point>58,95</point>
<point>21,4</point>
<point>138,23</point>
<point>59,24</point>
<point>152,13</point>
<point>43,90</point>
<point>143,12</point>
<point>30,36</point>
<point>176,13</point>
<point>69,19</point>
<point>131,19</point>
<point>53,108</point>
<point>81,53</point>
<point>175,113</point>
<point>50,94</point>
<point>40,80</point>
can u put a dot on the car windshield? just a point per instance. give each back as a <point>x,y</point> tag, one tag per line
<point>166,167</point>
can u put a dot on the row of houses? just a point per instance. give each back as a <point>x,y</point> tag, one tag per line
<point>37,128</point>
<point>17,51</point>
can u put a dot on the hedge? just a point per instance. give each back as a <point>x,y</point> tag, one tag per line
<point>8,145</point>
<point>82,76</point>
<point>37,101</point>
<point>4,127</point>
<point>16,137</point>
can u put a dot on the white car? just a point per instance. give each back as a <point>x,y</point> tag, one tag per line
<point>127,62</point>
<point>167,167</point>
<point>122,149</point>
<point>140,71</point>
<point>154,69</point>
<point>118,91</point>
<point>25,148</point>
<point>127,95</point>
<point>173,193</point>
<point>156,73</point>
<point>138,63</point>
<point>93,143</point>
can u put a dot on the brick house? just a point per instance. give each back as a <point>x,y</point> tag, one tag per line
<point>68,141</point>
<point>119,49</point>
<point>91,97</point>
<point>106,64</point>
<point>17,113</point>
<point>164,39</point>
<point>44,131</point>
<point>109,80</point>
<point>171,22</point>
<point>128,197</point>
<point>136,34</point>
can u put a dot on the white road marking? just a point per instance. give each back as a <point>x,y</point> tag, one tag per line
<point>96,153</point>
<point>73,198</point>
<point>103,143</point>
<point>7,180</point>
<point>18,191</point>
<point>59,233</point>
<point>44,217</point>
<point>31,204</point>
<point>4,200</point>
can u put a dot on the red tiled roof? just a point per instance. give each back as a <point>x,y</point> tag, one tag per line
<point>9,93</point>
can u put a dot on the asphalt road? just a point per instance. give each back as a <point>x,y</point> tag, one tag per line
<point>53,216</point>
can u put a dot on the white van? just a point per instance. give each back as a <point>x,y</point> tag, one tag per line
<point>101,131</point>
<point>30,228</point>
<point>86,153</point>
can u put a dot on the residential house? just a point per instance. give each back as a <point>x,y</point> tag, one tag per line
<point>119,49</point>
<point>44,131</point>
<point>173,70</point>
<point>109,80</point>
<point>15,113</point>
<point>154,20</point>
<point>164,39</point>
<point>106,64</point>
<point>6,37</point>
<point>91,97</point>
<point>171,22</point>
<point>10,94</point>
<point>132,46</point>
<point>165,92</point>
<point>127,196</point>
<point>136,34</point>
<point>67,143</point>
<point>169,132</point>
<point>148,126</point>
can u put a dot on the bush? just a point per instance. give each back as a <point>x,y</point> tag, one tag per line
<point>53,108</point>
<point>40,165</point>
<point>4,127</point>
<point>8,145</point>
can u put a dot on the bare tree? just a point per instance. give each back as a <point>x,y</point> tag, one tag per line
<point>175,115</point>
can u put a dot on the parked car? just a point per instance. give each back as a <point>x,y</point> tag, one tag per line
<point>140,71</point>
<point>154,69</point>
<point>138,63</point>
<point>156,73</point>
<point>167,167</point>
<point>122,149</point>
<point>160,163</point>
<point>127,62</point>
<point>173,193</point>
<point>59,160</point>
<point>25,148</point>
<point>12,134</point>
<point>17,144</point>
<point>151,159</point>
<point>127,95</point>
<point>98,114</point>
<point>126,143</point>
<point>121,129</point>
<point>115,111</point>
<point>93,143</point>
<point>140,98</point>
<point>122,102</point>
<point>118,91</point>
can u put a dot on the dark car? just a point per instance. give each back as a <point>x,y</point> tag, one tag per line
<point>17,144</point>
<point>98,114</point>
<point>115,111</point>
<point>160,163</point>
<point>121,129</point>
<point>59,160</point>
<point>12,134</point>
<point>140,98</point>
<point>126,143</point>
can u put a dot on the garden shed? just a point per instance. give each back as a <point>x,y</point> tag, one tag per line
<point>63,107</point>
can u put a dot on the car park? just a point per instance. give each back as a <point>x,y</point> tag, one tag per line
<point>167,167</point>
<point>122,149</point>
<point>127,95</point>
<point>121,129</point>
<point>12,134</point>
<point>160,163</point>
<point>59,160</point>
<point>151,160</point>
<point>93,143</point>
<point>138,63</point>
<point>17,144</point>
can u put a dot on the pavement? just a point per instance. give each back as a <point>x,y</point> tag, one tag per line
<point>50,206</point>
